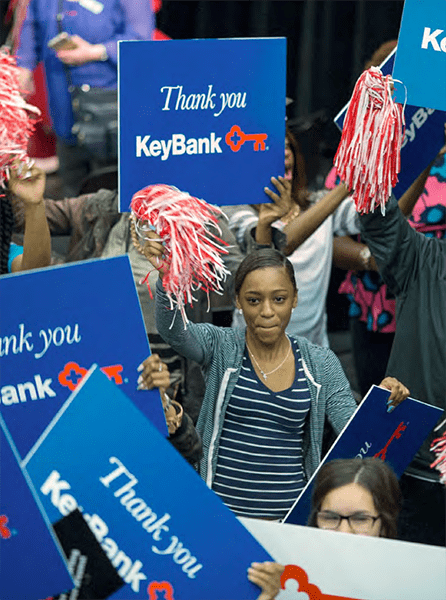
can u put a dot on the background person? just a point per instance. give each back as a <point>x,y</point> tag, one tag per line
<point>414,269</point>
<point>356,495</point>
<point>301,225</point>
<point>28,186</point>
<point>93,61</point>
<point>184,437</point>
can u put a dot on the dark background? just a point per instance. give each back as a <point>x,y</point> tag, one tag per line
<point>328,43</point>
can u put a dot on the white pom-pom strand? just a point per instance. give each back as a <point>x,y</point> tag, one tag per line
<point>17,118</point>
<point>192,250</point>
<point>368,155</point>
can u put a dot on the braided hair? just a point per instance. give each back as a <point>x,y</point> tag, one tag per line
<point>6,229</point>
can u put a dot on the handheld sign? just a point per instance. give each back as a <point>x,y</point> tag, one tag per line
<point>25,570</point>
<point>54,324</point>
<point>329,565</point>
<point>420,61</point>
<point>206,116</point>
<point>423,136</point>
<point>372,431</point>
<point>151,512</point>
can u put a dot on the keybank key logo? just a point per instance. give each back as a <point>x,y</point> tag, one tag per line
<point>431,40</point>
<point>5,532</point>
<point>235,138</point>
<point>178,144</point>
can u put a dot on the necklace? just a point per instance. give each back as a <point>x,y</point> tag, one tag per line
<point>265,375</point>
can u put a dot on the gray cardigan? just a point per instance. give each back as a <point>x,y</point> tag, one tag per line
<point>220,350</point>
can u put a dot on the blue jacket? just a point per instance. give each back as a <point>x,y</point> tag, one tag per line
<point>220,350</point>
<point>119,20</point>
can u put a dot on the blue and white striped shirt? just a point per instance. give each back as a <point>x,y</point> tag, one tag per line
<point>259,467</point>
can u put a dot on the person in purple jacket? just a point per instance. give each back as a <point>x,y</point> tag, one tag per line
<point>95,28</point>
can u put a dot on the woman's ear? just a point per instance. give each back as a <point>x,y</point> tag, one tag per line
<point>295,300</point>
<point>237,303</point>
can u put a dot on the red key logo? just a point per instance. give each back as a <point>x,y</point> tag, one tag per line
<point>235,138</point>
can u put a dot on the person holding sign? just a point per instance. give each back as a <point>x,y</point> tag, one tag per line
<point>356,495</point>
<point>267,393</point>
<point>414,269</point>
<point>184,437</point>
<point>36,251</point>
<point>301,225</point>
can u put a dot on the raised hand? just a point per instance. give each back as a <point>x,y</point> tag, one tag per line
<point>27,184</point>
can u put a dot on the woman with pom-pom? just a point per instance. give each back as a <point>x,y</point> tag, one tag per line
<point>36,250</point>
<point>267,393</point>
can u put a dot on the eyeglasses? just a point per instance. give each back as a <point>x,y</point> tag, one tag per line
<point>359,523</point>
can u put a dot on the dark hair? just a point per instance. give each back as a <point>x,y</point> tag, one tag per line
<point>380,54</point>
<point>299,192</point>
<point>262,259</point>
<point>374,475</point>
<point>6,229</point>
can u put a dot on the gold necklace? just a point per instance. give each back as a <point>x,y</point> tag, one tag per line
<point>265,375</point>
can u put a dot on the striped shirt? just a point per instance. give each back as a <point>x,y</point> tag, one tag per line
<point>259,467</point>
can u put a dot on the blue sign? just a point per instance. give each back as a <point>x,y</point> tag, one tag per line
<point>54,324</point>
<point>207,116</point>
<point>394,437</point>
<point>423,137</point>
<point>420,61</point>
<point>32,564</point>
<point>151,512</point>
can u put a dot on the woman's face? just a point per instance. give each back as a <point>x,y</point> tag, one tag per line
<point>289,160</point>
<point>353,501</point>
<point>267,298</point>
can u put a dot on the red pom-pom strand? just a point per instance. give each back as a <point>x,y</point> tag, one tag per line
<point>438,447</point>
<point>17,118</point>
<point>192,251</point>
<point>368,156</point>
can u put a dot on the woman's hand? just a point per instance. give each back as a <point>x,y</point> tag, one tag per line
<point>152,248</point>
<point>82,54</point>
<point>26,184</point>
<point>399,392</point>
<point>281,202</point>
<point>154,373</point>
<point>267,576</point>
<point>268,213</point>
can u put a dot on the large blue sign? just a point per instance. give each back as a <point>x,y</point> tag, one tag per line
<point>372,431</point>
<point>54,324</point>
<point>32,564</point>
<point>423,137</point>
<point>155,518</point>
<point>420,61</point>
<point>207,116</point>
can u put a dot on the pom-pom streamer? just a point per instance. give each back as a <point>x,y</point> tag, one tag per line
<point>368,155</point>
<point>17,118</point>
<point>192,252</point>
<point>438,447</point>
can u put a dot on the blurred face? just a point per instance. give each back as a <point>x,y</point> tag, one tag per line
<point>267,298</point>
<point>289,160</point>
<point>352,501</point>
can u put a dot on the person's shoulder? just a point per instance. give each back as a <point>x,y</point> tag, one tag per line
<point>310,349</point>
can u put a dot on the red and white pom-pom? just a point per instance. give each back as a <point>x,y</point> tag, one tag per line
<point>368,155</point>
<point>17,118</point>
<point>438,447</point>
<point>192,252</point>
